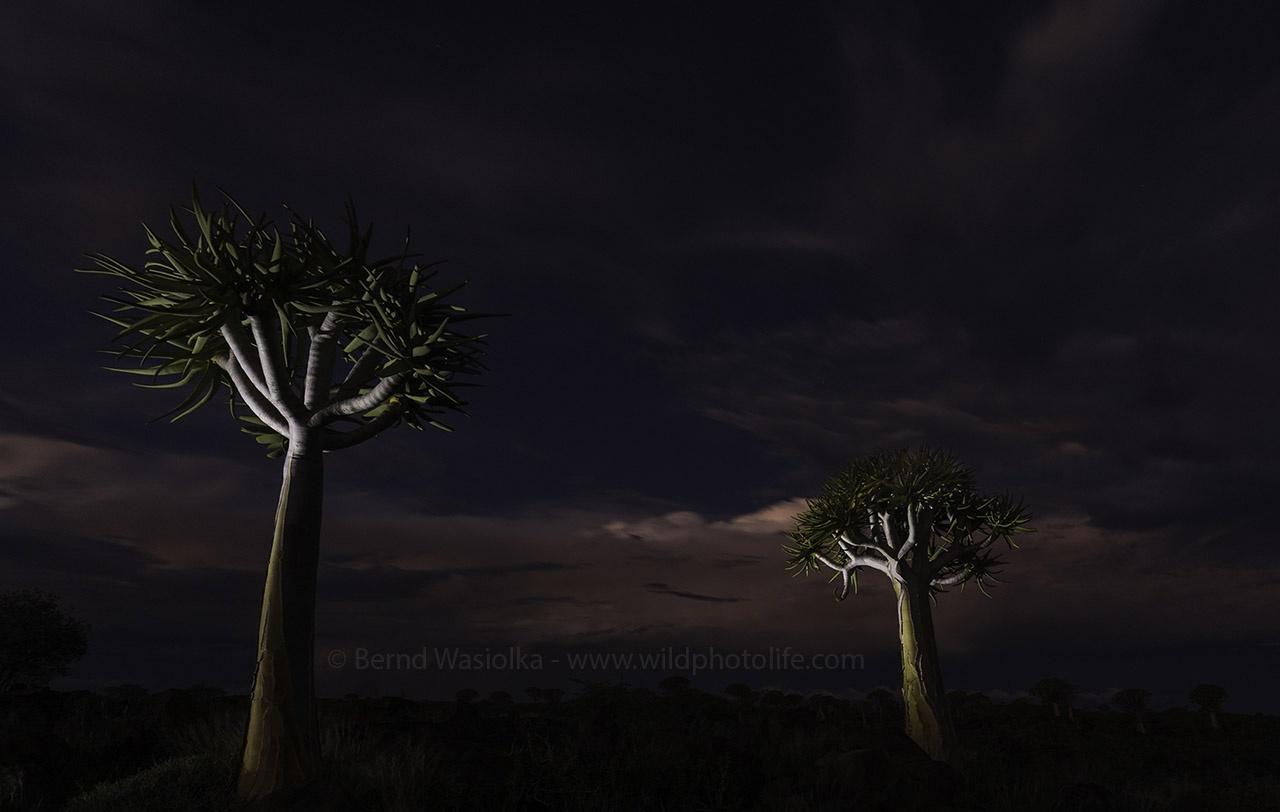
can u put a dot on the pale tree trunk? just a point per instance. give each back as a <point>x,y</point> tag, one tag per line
<point>928,722</point>
<point>1213,720</point>
<point>281,745</point>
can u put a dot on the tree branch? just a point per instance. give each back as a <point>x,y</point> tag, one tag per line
<point>957,549</point>
<point>273,372</point>
<point>940,563</point>
<point>915,529</point>
<point>947,558</point>
<point>854,561</point>
<point>850,566</point>
<point>360,373</point>
<point>357,404</point>
<point>244,353</point>
<point>320,360</point>
<point>911,534</point>
<point>952,580</point>
<point>849,547</point>
<point>334,440</point>
<point>844,575</point>
<point>888,531</point>
<point>253,398</point>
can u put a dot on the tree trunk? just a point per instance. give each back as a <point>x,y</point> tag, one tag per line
<point>928,722</point>
<point>1213,720</point>
<point>281,745</point>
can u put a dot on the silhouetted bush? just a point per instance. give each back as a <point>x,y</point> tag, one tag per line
<point>37,639</point>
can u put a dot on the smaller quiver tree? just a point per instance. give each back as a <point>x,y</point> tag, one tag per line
<point>917,518</point>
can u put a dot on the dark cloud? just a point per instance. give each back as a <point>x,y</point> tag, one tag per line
<point>27,549</point>
<point>663,589</point>
<point>389,583</point>
<point>15,418</point>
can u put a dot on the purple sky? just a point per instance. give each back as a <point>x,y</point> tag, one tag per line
<point>741,246</point>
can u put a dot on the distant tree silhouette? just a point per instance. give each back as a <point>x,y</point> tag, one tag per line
<point>773,698</point>
<point>1055,693</point>
<point>916,517</point>
<point>968,703</point>
<point>550,696</point>
<point>1209,698</point>
<point>501,698</point>
<point>883,702</point>
<point>743,698</point>
<point>318,348</point>
<point>740,692</point>
<point>1133,701</point>
<point>38,641</point>
<point>825,706</point>
<point>674,685</point>
<point>128,695</point>
<point>466,696</point>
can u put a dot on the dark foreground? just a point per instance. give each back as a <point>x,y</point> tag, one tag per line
<point>621,748</point>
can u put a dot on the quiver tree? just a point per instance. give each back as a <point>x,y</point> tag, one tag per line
<point>741,693</point>
<point>1133,701</point>
<point>316,348</point>
<point>1056,693</point>
<point>915,517</point>
<point>883,702</point>
<point>1209,698</point>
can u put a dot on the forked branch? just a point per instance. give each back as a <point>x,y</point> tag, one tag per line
<point>357,404</point>
<point>253,398</point>
<point>320,361</point>
<point>334,440</point>
<point>245,354</point>
<point>849,568</point>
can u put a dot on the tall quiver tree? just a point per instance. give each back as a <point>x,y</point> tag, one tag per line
<point>1057,693</point>
<point>1209,698</point>
<point>915,517</point>
<point>317,348</point>
<point>1133,701</point>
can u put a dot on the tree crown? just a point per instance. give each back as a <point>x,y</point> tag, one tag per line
<point>1131,700</point>
<point>912,511</point>
<point>1053,689</point>
<point>231,301</point>
<point>1208,697</point>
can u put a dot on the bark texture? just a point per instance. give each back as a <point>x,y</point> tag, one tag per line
<point>923,696</point>
<point>281,747</point>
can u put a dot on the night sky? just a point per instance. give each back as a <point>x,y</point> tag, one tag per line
<point>740,246</point>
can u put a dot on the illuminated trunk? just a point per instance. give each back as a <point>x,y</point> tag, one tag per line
<point>281,745</point>
<point>928,722</point>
